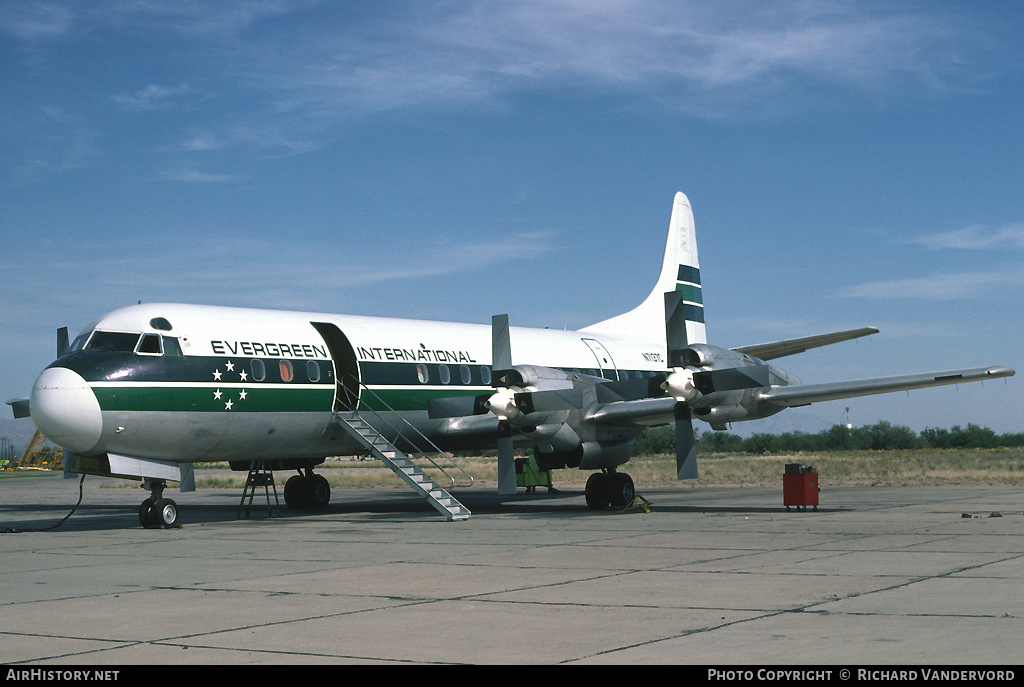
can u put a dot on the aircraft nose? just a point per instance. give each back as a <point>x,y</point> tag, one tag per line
<point>65,410</point>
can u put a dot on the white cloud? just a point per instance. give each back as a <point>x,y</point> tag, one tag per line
<point>152,97</point>
<point>976,238</point>
<point>940,286</point>
<point>195,176</point>
<point>35,20</point>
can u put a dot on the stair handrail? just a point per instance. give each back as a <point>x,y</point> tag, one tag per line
<point>398,432</point>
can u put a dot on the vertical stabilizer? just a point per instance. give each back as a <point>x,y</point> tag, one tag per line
<point>680,271</point>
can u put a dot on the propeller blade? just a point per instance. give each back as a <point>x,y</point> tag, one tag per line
<point>506,460</point>
<point>686,446</point>
<point>501,346</point>
<point>456,406</point>
<point>62,342</point>
<point>730,379</point>
<point>549,400</point>
<point>675,326</point>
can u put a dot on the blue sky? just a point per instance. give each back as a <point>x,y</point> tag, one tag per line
<point>848,164</point>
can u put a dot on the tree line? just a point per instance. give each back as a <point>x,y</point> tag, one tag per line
<point>882,436</point>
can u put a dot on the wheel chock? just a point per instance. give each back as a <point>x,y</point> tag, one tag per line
<point>637,502</point>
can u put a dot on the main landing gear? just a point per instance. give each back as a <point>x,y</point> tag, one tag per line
<point>307,491</point>
<point>609,488</point>
<point>156,512</point>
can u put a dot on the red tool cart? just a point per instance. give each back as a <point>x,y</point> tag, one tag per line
<point>800,487</point>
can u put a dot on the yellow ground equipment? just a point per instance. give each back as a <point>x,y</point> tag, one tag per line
<point>41,453</point>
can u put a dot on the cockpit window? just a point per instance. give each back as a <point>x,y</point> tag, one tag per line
<point>171,346</point>
<point>79,342</point>
<point>150,344</point>
<point>112,342</point>
<point>160,323</point>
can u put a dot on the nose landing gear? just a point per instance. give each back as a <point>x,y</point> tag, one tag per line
<point>156,512</point>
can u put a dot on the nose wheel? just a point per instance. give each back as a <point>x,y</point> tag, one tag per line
<point>156,512</point>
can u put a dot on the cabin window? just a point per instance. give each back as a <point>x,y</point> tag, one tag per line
<point>287,373</point>
<point>259,370</point>
<point>112,342</point>
<point>313,370</point>
<point>171,346</point>
<point>422,374</point>
<point>466,375</point>
<point>160,323</point>
<point>445,374</point>
<point>150,344</point>
<point>485,374</point>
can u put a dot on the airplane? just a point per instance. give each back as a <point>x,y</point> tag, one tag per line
<point>148,390</point>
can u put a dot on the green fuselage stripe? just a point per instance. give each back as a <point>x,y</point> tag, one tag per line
<point>227,398</point>
<point>138,396</point>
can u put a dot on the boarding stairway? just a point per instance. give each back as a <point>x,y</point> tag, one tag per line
<point>354,424</point>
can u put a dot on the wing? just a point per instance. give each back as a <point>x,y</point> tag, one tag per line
<point>805,394</point>
<point>779,349</point>
<point>768,400</point>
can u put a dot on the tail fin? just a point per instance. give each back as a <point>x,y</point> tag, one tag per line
<point>680,271</point>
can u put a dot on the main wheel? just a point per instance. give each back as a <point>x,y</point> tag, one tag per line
<point>620,489</point>
<point>597,491</point>
<point>295,492</point>
<point>318,493</point>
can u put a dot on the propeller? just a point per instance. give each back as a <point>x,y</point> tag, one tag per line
<point>502,402</point>
<point>686,384</point>
<point>675,341</point>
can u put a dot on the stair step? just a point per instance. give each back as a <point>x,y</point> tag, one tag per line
<point>401,465</point>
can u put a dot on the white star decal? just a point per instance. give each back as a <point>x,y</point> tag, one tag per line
<point>241,396</point>
<point>230,365</point>
<point>244,376</point>
<point>216,395</point>
<point>216,375</point>
<point>227,406</point>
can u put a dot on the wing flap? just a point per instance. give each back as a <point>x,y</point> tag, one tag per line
<point>805,394</point>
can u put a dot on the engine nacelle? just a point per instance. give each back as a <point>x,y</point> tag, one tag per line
<point>553,438</point>
<point>536,377</point>
<point>590,455</point>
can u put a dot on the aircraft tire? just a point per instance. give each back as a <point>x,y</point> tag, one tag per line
<point>318,492</point>
<point>146,514</point>
<point>164,513</point>
<point>295,492</point>
<point>597,491</point>
<point>620,489</point>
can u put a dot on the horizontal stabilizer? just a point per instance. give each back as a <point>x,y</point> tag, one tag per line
<point>19,406</point>
<point>805,394</point>
<point>780,349</point>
